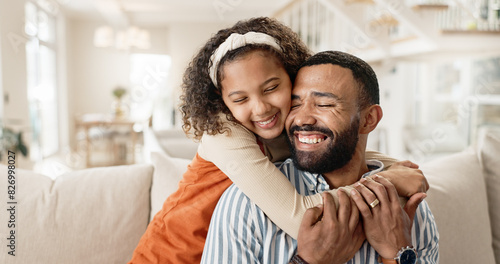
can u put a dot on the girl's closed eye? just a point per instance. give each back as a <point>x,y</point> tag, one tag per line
<point>240,100</point>
<point>273,88</point>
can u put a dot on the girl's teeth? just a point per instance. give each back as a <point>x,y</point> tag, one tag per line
<point>310,140</point>
<point>268,121</point>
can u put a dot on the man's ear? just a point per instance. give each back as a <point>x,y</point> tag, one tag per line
<point>370,117</point>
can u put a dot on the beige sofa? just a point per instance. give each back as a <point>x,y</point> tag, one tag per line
<point>98,215</point>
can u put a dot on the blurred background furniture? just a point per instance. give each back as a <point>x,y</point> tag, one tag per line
<point>109,140</point>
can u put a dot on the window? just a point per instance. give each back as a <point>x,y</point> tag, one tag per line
<point>41,74</point>
<point>150,94</point>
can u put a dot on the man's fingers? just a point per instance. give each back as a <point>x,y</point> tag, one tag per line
<point>354,219</point>
<point>312,216</point>
<point>412,204</point>
<point>391,190</point>
<point>360,203</point>
<point>366,193</point>
<point>379,192</point>
<point>425,185</point>
<point>344,207</point>
<point>330,210</point>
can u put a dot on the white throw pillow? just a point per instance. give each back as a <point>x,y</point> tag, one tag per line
<point>490,157</point>
<point>168,172</point>
<point>457,198</point>
<point>88,216</point>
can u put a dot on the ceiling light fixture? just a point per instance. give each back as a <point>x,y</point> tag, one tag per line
<point>123,39</point>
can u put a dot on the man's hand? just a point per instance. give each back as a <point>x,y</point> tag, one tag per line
<point>407,178</point>
<point>328,236</point>
<point>387,226</point>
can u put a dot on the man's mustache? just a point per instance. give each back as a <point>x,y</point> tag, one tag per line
<point>309,128</point>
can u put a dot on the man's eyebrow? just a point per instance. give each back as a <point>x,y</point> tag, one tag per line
<point>329,95</point>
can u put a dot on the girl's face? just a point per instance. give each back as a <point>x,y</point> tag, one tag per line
<point>257,90</point>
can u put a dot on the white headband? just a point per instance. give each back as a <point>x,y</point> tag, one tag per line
<point>235,41</point>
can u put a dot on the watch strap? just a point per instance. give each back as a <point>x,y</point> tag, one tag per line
<point>296,259</point>
<point>387,261</point>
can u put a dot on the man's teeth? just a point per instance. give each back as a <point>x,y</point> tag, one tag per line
<point>310,140</point>
<point>268,121</point>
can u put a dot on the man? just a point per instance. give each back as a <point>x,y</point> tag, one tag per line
<point>334,108</point>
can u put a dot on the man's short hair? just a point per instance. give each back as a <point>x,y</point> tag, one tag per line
<point>362,72</point>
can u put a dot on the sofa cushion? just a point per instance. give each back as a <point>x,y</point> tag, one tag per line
<point>490,155</point>
<point>457,198</point>
<point>176,144</point>
<point>88,216</point>
<point>168,172</point>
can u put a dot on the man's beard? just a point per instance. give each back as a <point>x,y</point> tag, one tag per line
<point>338,153</point>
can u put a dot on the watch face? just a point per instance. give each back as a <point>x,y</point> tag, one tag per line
<point>408,257</point>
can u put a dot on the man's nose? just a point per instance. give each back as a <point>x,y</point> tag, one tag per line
<point>304,115</point>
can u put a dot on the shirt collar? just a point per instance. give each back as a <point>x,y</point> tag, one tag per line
<point>317,183</point>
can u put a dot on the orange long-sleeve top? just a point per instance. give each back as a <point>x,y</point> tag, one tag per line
<point>178,231</point>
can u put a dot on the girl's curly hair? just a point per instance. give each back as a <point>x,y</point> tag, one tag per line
<point>201,101</point>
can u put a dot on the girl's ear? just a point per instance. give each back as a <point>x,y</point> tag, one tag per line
<point>370,117</point>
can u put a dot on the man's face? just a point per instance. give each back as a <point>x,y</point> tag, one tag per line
<point>324,119</point>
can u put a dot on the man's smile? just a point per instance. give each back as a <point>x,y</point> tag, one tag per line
<point>310,138</point>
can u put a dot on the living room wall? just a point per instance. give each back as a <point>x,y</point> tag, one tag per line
<point>94,72</point>
<point>13,54</point>
<point>185,39</point>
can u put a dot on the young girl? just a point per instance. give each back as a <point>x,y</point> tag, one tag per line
<point>240,128</point>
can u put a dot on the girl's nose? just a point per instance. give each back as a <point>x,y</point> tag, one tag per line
<point>261,107</point>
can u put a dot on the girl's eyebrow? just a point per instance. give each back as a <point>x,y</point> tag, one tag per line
<point>263,84</point>
<point>234,93</point>
<point>269,80</point>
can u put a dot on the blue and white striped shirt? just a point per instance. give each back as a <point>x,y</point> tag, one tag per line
<point>241,233</point>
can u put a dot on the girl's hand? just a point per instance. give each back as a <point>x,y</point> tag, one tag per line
<point>407,178</point>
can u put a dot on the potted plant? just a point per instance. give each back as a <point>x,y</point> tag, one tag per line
<point>11,141</point>
<point>119,92</point>
<point>119,108</point>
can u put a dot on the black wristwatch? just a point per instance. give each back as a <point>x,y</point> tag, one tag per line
<point>407,255</point>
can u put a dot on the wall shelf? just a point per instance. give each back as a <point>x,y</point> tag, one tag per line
<point>433,7</point>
